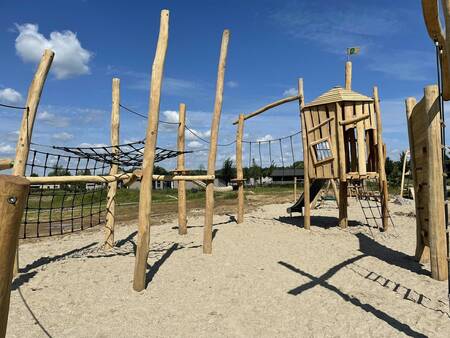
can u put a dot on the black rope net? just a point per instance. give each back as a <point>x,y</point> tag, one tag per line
<point>57,209</point>
<point>126,156</point>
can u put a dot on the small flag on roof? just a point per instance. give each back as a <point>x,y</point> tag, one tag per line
<point>353,50</point>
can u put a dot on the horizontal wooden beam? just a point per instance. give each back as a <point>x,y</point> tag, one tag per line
<point>113,178</point>
<point>269,106</point>
<point>6,163</point>
<point>354,119</point>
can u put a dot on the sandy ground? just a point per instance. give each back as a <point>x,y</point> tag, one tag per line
<point>266,277</point>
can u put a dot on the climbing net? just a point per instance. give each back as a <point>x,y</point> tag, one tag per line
<point>57,209</point>
<point>126,156</point>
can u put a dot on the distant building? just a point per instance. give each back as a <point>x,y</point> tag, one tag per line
<point>286,175</point>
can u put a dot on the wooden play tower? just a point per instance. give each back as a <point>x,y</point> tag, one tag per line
<point>341,135</point>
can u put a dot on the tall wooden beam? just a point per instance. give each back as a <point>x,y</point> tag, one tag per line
<point>348,75</point>
<point>239,169</point>
<point>112,187</point>
<point>182,221</point>
<point>28,117</point>
<point>145,194</point>
<point>381,162</point>
<point>13,197</point>
<point>306,164</point>
<point>436,208</point>
<point>209,209</point>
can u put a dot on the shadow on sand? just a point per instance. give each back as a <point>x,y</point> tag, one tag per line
<point>323,282</point>
<point>325,222</point>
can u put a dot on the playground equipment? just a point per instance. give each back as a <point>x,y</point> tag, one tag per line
<point>341,134</point>
<point>426,130</point>
<point>102,166</point>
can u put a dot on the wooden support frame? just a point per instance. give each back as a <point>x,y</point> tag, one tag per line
<point>112,186</point>
<point>209,208</point>
<point>28,117</point>
<point>145,195</point>
<point>239,169</point>
<point>13,198</point>
<point>182,220</point>
<point>269,106</point>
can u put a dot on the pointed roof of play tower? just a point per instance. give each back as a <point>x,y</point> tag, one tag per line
<point>338,94</point>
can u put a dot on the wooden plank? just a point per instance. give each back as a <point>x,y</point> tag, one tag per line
<point>112,186</point>
<point>325,131</point>
<point>317,136</point>
<point>310,137</point>
<point>145,193</point>
<point>209,207</point>
<point>14,193</point>
<point>331,108</point>
<point>361,141</point>
<point>341,144</point>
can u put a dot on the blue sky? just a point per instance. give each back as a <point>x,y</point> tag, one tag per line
<point>272,44</point>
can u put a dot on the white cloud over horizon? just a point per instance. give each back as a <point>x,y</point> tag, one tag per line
<point>10,95</point>
<point>71,59</point>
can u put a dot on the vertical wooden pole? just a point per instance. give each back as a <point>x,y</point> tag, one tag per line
<point>209,208</point>
<point>422,252</point>
<point>28,117</point>
<point>381,162</point>
<point>182,222</point>
<point>145,194</point>
<point>348,75</point>
<point>13,197</point>
<point>112,187</point>
<point>239,169</point>
<point>306,179</point>
<point>436,208</point>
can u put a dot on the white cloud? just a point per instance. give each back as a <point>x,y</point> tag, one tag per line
<point>267,137</point>
<point>71,58</point>
<point>10,95</point>
<point>290,92</point>
<point>190,135</point>
<point>195,144</point>
<point>171,116</point>
<point>63,136</point>
<point>6,149</point>
<point>53,120</point>
<point>232,84</point>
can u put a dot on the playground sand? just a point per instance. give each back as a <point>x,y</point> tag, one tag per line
<point>266,277</point>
